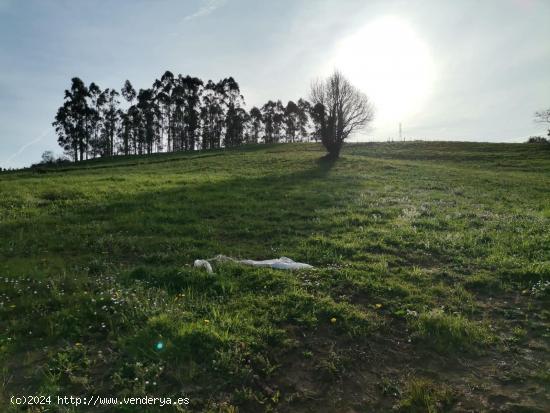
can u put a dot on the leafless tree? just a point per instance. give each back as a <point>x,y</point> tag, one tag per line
<point>543,117</point>
<point>339,109</point>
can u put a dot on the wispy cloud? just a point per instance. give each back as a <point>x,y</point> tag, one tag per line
<point>208,6</point>
<point>25,146</point>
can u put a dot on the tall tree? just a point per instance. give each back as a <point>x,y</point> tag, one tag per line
<point>212,116</point>
<point>163,89</point>
<point>179,133</point>
<point>95,120</point>
<point>235,116</point>
<point>149,120</point>
<point>137,135</point>
<point>125,131</point>
<point>192,89</point>
<point>273,116</point>
<point>278,119</point>
<point>317,114</point>
<point>256,121</point>
<point>304,108</point>
<point>66,126</point>
<point>129,119</point>
<point>71,121</point>
<point>291,120</point>
<point>340,109</point>
<point>111,120</point>
<point>236,122</point>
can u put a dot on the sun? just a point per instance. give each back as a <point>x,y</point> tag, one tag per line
<point>389,62</point>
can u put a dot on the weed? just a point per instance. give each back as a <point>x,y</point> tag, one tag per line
<point>422,395</point>
<point>449,332</point>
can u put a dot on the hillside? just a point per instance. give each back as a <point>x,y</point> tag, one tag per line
<point>430,290</point>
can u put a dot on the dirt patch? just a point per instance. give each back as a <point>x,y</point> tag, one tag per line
<point>339,374</point>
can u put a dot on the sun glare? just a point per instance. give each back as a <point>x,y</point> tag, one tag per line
<point>389,62</point>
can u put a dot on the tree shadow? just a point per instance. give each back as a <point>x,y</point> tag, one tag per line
<point>254,216</point>
<point>326,163</point>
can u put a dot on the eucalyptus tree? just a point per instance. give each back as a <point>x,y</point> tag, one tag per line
<point>163,95</point>
<point>291,115</point>
<point>235,116</point>
<point>130,120</point>
<point>212,118</point>
<point>255,124</point>
<point>273,116</point>
<point>304,108</point>
<point>192,89</point>
<point>161,118</point>
<point>268,113</point>
<point>111,121</point>
<point>236,124</point>
<point>125,131</point>
<point>94,120</point>
<point>71,120</point>
<point>67,128</point>
<point>148,128</point>
<point>317,116</point>
<point>137,130</point>
<point>178,95</point>
<point>278,120</point>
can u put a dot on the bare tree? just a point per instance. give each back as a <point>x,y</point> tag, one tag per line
<point>543,117</point>
<point>339,109</point>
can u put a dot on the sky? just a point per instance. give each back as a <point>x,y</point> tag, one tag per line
<point>473,70</point>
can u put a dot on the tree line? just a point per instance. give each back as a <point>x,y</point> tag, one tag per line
<point>177,113</point>
<point>180,113</point>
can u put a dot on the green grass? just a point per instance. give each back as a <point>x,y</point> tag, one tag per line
<point>448,332</point>
<point>425,396</point>
<point>425,254</point>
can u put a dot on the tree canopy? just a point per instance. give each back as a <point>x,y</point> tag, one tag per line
<point>177,113</point>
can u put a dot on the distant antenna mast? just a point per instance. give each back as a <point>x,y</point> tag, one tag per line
<point>400,132</point>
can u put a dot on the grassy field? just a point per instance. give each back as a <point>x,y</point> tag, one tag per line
<point>430,292</point>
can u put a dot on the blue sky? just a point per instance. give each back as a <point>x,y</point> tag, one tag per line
<point>461,70</point>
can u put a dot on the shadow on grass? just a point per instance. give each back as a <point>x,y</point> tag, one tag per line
<point>119,161</point>
<point>252,216</point>
<point>326,163</point>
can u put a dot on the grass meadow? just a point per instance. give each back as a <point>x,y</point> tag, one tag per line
<point>430,291</point>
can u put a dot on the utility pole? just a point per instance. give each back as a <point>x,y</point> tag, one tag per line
<point>400,132</point>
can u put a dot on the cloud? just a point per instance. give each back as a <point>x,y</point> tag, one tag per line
<point>25,146</point>
<point>208,6</point>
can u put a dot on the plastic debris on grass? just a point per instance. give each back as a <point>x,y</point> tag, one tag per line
<point>203,264</point>
<point>283,263</point>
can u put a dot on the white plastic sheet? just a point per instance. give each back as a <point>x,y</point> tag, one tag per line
<point>283,263</point>
<point>203,264</point>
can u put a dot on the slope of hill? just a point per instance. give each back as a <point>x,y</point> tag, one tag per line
<point>430,290</point>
